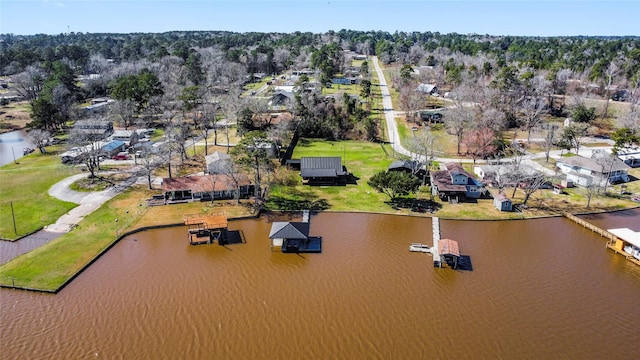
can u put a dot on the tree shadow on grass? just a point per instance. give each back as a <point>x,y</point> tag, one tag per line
<point>416,205</point>
<point>282,203</point>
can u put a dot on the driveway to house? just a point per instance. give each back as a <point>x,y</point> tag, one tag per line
<point>88,202</point>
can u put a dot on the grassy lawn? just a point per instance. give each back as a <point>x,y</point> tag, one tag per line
<point>49,266</point>
<point>15,115</point>
<point>362,159</point>
<point>26,185</point>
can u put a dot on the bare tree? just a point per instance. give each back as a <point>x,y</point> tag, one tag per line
<point>124,111</point>
<point>30,82</point>
<point>411,100</point>
<point>530,183</point>
<point>39,138</point>
<point>480,143</point>
<point>549,139</point>
<point>610,74</point>
<point>87,149</point>
<point>532,109</point>
<point>573,135</point>
<point>149,161</point>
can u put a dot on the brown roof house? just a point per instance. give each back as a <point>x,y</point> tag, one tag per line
<point>455,183</point>
<point>205,187</point>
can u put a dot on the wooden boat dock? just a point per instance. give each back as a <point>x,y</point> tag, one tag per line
<point>437,261</point>
<point>621,241</point>
<point>207,228</point>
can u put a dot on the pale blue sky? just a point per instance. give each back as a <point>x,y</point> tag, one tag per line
<point>502,17</point>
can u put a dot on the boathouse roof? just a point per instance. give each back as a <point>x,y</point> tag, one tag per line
<point>628,235</point>
<point>289,230</point>
<point>448,247</point>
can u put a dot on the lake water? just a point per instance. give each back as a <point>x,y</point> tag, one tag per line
<point>13,143</point>
<point>539,289</point>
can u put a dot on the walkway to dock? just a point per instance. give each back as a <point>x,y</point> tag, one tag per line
<point>590,226</point>
<point>615,243</point>
<point>436,237</point>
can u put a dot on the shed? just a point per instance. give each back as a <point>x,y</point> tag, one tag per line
<point>502,203</point>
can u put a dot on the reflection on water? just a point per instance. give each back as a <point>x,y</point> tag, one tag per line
<point>539,289</point>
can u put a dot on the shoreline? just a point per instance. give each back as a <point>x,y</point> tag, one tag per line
<point>136,230</point>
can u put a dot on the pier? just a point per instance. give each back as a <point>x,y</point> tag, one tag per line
<point>621,241</point>
<point>436,238</point>
<point>443,249</point>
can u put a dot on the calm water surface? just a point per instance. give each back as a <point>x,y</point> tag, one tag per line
<point>12,145</point>
<point>539,289</point>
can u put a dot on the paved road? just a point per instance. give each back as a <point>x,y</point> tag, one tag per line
<point>394,137</point>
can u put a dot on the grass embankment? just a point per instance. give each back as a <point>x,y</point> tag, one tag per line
<point>14,116</point>
<point>26,185</point>
<point>50,266</point>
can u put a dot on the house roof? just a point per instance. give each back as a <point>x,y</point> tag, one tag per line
<point>202,183</point>
<point>289,230</point>
<point>442,179</point>
<point>502,198</point>
<point>217,156</point>
<point>426,88</point>
<point>112,145</point>
<point>448,247</point>
<point>405,164</point>
<point>321,167</point>
<point>628,235</point>
<point>455,168</point>
<point>592,164</point>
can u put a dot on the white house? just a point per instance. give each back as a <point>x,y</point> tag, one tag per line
<point>586,171</point>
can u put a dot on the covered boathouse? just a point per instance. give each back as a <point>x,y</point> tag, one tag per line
<point>207,228</point>
<point>627,243</point>
<point>293,237</point>
<point>449,251</point>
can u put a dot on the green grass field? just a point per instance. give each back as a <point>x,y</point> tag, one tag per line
<point>26,185</point>
<point>362,159</point>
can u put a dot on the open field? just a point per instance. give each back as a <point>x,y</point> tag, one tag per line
<point>14,116</point>
<point>26,185</point>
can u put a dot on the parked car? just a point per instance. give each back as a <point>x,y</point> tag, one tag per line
<point>121,156</point>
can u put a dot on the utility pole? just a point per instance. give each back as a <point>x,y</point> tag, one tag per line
<point>13,216</point>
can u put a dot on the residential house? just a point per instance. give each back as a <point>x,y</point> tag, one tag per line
<point>130,137</point>
<point>455,183</point>
<point>205,187</point>
<point>630,156</point>
<point>585,171</point>
<point>112,148</point>
<point>429,89</point>
<point>94,129</point>
<point>323,171</point>
<point>282,98</point>
<point>218,162</point>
